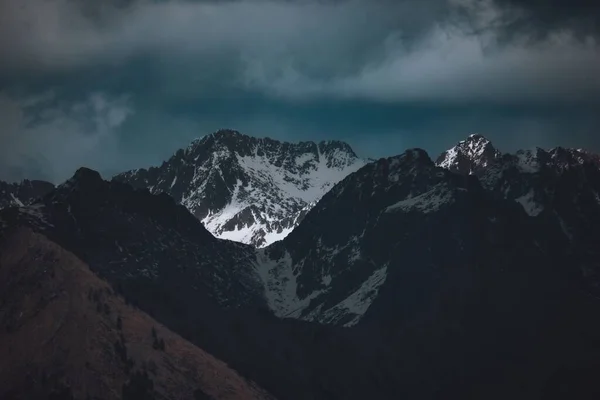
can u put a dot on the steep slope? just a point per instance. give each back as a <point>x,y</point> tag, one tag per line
<point>445,279</point>
<point>19,194</point>
<point>66,334</point>
<point>246,189</point>
<point>397,210</point>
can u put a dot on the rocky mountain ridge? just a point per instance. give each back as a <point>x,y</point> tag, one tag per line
<point>23,193</point>
<point>247,189</point>
<point>559,187</point>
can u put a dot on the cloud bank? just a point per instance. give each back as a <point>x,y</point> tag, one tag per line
<point>73,71</point>
<point>380,50</point>
<point>40,133</point>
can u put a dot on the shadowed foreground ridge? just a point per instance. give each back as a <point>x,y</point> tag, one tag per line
<point>67,335</point>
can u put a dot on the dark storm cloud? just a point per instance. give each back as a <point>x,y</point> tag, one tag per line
<point>44,138</point>
<point>173,70</point>
<point>381,50</point>
<point>541,17</point>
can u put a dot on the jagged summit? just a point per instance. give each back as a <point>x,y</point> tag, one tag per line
<point>84,179</point>
<point>528,177</point>
<point>476,155</point>
<point>234,141</point>
<point>86,175</point>
<point>469,155</point>
<point>248,189</point>
<point>416,155</point>
<point>566,157</point>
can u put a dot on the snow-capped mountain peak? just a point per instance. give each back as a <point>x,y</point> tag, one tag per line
<point>469,155</point>
<point>525,176</point>
<point>247,189</point>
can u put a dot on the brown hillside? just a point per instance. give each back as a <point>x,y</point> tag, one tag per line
<point>65,334</point>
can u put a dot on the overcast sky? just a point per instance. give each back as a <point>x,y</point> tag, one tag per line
<point>121,84</point>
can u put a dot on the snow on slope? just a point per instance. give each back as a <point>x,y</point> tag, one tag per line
<point>280,284</point>
<point>521,176</point>
<point>355,305</point>
<point>280,275</point>
<point>22,193</point>
<point>246,189</point>
<point>328,270</point>
<point>427,202</point>
<point>476,152</point>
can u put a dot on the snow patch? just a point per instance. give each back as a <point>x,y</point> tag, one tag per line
<point>531,207</point>
<point>565,228</point>
<point>527,162</point>
<point>35,213</point>
<point>356,304</point>
<point>355,255</point>
<point>17,201</point>
<point>279,280</point>
<point>304,158</point>
<point>450,158</point>
<point>427,202</point>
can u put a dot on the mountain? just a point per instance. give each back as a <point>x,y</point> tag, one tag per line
<point>246,189</point>
<point>141,241</point>
<point>559,187</point>
<point>19,194</point>
<point>469,156</point>
<point>445,279</point>
<point>67,335</point>
<point>359,238</point>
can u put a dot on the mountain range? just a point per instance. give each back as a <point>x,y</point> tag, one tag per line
<point>472,276</point>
